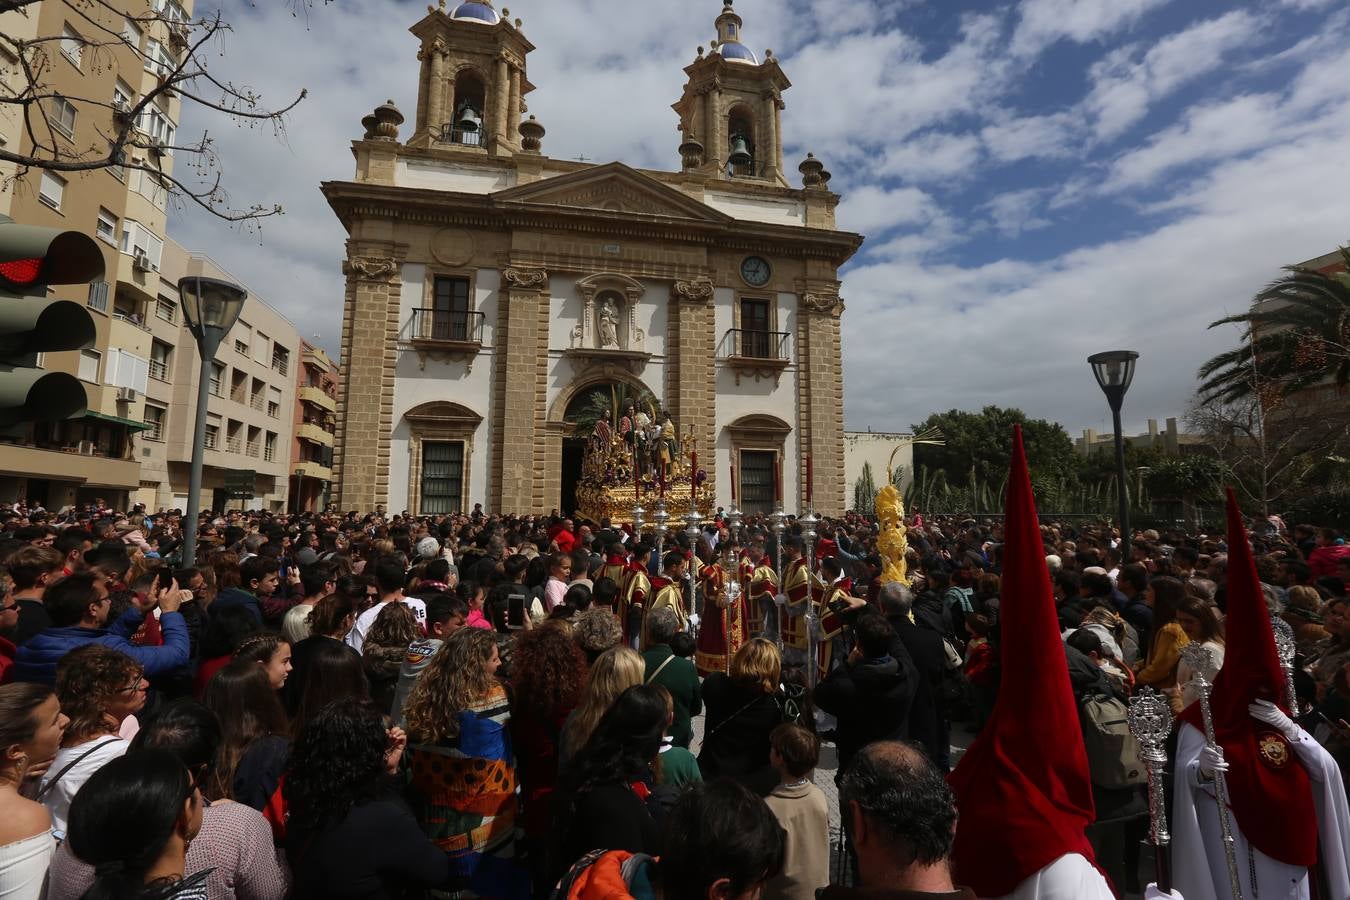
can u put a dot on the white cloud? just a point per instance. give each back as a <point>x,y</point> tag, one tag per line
<point>1014,212</point>
<point>1024,330</point>
<point>869,209</point>
<point>1048,136</point>
<point>932,156</point>
<point>1044,22</point>
<point>1124,89</point>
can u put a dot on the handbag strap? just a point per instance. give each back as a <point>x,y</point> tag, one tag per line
<point>42,792</point>
<point>665,662</point>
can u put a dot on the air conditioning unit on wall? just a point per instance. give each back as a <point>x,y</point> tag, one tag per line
<point>126,394</point>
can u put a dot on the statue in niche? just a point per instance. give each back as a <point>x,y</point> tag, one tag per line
<point>608,330</point>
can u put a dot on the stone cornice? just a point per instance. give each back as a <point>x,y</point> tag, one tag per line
<point>355,200</point>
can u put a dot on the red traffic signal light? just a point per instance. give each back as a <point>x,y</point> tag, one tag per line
<point>20,273</point>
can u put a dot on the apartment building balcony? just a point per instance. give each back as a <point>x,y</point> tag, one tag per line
<point>315,434</point>
<point>318,398</point>
<point>316,359</point>
<point>309,469</point>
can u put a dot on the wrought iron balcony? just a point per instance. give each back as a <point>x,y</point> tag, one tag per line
<point>452,334</point>
<point>750,343</point>
<point>755,352</point>
<point>464,137</point>
<point>446,325</point>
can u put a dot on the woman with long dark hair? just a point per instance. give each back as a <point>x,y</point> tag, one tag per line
<point>463,768</point>
<point>601,803</point>
<point>132,821</point>
<point>550,676</point>
<point>1159,670</point>
<point>272,652</point>
<point>385,647</point>
<point>333,672</point>
<point>1201,623</point>
<point>235,842</point>
<point>349,835</point>
<point>31,725</point>
<point>253,747</point>
<point>332,618</point>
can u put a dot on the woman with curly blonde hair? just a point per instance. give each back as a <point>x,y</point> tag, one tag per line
<point>459,752</point>
<point>615,671</point>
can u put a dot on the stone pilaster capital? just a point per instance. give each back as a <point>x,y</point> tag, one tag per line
<point>522,279</point>
<point>371,268</point>
<point>827,304</point>
<point>699,290</point>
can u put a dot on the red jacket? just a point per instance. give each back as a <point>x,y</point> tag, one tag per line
<point>7,650</point>
<point>1325,560</point>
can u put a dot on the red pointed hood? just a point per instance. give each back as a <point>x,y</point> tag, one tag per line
<point>1023,789</point>
<point>1270,793</point>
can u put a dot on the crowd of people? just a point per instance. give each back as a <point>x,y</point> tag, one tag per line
<point>346,705</point>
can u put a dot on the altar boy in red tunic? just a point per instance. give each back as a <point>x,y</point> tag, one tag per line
<point>722,627</point>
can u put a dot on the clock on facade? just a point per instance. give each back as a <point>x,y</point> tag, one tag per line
<point>755,271</point>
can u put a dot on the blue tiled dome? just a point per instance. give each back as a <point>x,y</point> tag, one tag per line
<point>474,11</point>
<point>734,51</point>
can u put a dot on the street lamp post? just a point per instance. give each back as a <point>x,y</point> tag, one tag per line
<point>1114,370</point>
<point>210,309</point>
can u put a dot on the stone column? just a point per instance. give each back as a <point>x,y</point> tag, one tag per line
<point>513,109</point>
<point>820,402</point>
<point>517,407</point>
<point>768,147</point>
<point>691,373</point>
<point>436,116</point>
<point>502,91</point>
<point>369,355</point>
<point>424,89</point>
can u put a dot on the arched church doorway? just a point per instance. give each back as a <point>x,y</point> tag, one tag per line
<point>601,400</point>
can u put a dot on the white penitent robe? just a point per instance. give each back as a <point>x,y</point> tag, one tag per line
<point>1199,866</point>
<point>1071,877</point>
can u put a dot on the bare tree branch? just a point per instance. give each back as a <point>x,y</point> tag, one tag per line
<point>143,129</point>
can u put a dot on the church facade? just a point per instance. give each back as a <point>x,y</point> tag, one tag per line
<point>498,301</point>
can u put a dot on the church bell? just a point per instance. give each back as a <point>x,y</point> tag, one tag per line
<point>468,119</point>
<point>740,153</point>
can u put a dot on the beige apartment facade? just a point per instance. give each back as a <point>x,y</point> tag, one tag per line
<point>492,290</point>
<point>98,455</point>
<point>250,398</point>
<point>315,424</point>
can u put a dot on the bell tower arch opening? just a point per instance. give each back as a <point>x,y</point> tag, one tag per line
<point>467,124</point>
<point>741,159</point>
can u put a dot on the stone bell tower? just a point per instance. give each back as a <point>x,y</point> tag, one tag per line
<point>472,84</point>
<point>731,111</point>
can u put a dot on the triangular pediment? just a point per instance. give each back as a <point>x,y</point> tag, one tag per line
<point>613,187</point>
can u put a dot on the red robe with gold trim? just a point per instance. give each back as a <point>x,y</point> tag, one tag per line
<point>721,630</point>
<point>635,589</point>
<point>802,586</point>
<point>667,593</point>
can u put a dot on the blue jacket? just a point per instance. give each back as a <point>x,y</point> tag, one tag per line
<point>238,597</point>
<point>36,660</point>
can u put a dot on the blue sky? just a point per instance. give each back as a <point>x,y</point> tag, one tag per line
<point>1037,180</point>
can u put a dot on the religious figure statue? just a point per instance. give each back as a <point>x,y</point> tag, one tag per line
<point>669,442</point>
<point>608,315</point>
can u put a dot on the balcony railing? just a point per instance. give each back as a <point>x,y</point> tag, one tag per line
<point>131,319</point>
<point>210,439</point>
<point>747,343</point>
<point>317,397</point>
<point>449,326</point>
<point>280,363</point>
<point>253,447</point>
<point>256,401</point>
<point>159,370</point>
<point>234,444</point>
<point>452,135</point>
<point>269,454</point>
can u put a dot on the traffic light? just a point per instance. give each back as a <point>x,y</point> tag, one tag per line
<point>32,258</point>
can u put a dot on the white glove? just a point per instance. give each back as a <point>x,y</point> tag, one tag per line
<point>1211,760</point>
<point>694,620</point>
<point>1272,715</point>
<point>1152,892</point>
<point>780,599</point>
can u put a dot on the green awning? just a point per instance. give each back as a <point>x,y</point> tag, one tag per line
<point>131,424</point>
